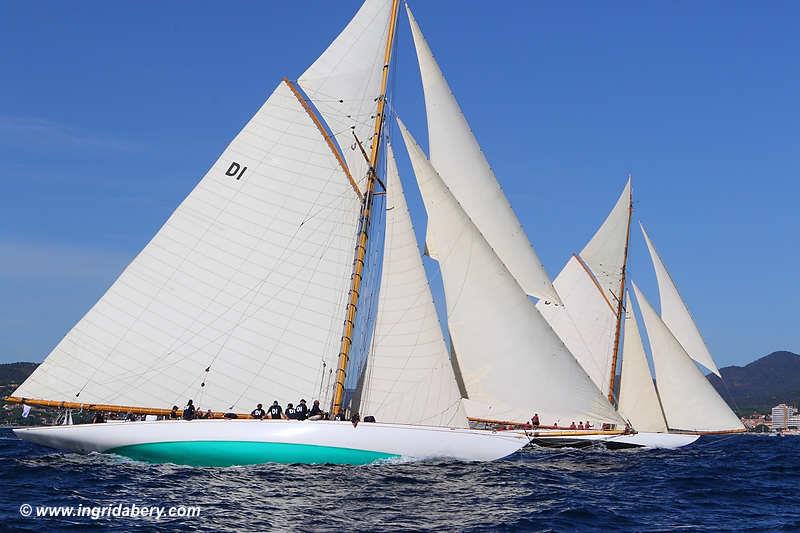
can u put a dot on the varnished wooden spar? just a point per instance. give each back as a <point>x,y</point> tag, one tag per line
<point>366,211</point>
<point>321,128</point>
<point>613,377</point>
<point>107,408</point>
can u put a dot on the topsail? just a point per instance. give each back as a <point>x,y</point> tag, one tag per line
<point>458,158</point>
<point>676,315</point>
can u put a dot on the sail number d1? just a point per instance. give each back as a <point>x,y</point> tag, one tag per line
<point>235,170</point>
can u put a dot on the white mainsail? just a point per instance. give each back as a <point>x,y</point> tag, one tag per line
<point>606,252</point>
<point>458,158</point>
<point>345,81</point>
<point>589,287</point>
<point>238,299</point>
<point>499,337</point>
<point>689,400</point>
<point>638,399</point>
<point>409,379</point>
<point>676,314</point>
<point>586,321</point>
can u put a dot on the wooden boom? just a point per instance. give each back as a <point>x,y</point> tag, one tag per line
<point>108,408</point>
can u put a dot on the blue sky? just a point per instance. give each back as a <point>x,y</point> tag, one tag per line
<point>110,112</point>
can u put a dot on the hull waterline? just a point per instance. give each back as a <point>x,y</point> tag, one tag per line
<point>242,442</point>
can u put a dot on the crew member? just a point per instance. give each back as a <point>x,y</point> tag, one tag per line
<point>580,424</point>
<point>573,426</point>
<point>340,415</point>
<point>290,412</point>
<point>173,415</point>
<point>315,413</point>
<point>188,411</point>
<point>258,412</point>
<point>276,411</point>
<point>301,411</point>
<point>535,420</point>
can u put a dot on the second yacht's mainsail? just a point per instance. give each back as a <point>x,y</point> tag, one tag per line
<point>590,288</point>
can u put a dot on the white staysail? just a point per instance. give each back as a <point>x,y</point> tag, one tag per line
<point>458,158</point>
<point>606,252</point>
<point>511,361</point>
<point>239,297</point>
<point>344,83</point>
<point>409,379</point>
<point>676,315</point>
<point>689,400</point>
<point>586,322</point>
<point>638,400</point>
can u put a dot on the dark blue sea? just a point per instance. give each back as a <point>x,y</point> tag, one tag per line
<point>738,483</point>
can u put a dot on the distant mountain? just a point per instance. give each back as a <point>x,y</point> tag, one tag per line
<point>15,373</point>
<point>762,384</point>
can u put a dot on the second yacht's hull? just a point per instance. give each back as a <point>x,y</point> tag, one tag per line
<point>669,441</point>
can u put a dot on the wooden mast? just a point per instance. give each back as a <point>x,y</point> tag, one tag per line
<point>620,300</point>
<point>366,211</point>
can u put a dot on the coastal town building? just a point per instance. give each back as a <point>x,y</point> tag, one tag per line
<point>785,417</point>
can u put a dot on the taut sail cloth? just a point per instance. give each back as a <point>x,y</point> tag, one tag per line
<point>345,81</point>
<point>239,297</point>
<point>589,286</point>
<point>458,158</point>
<point>689,400</point>
<point>606,252</point>
<point>638,400</point>
<point>498,335</point>
<point>409,379</point>
<point>676,315</point>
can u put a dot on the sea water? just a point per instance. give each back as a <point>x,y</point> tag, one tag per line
<point>731,483</point>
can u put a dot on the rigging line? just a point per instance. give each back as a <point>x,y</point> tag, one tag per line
<point>250,292</point>
<point>283,330</point>
<point>318,123</point>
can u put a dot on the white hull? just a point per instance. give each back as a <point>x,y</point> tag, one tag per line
<point>232,442</point>
<point>667,441</point>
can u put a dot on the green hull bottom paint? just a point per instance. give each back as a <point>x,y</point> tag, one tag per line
<point>231,453</point>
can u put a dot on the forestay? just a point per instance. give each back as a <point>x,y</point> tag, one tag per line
<point>345,81</point>
<point>689,400</point>
<point>676,315</point>
<point>511,361</point>
<point>638,400</point>
<point>458,158</point>
<point>409,379</point>
<point>239,297</point>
